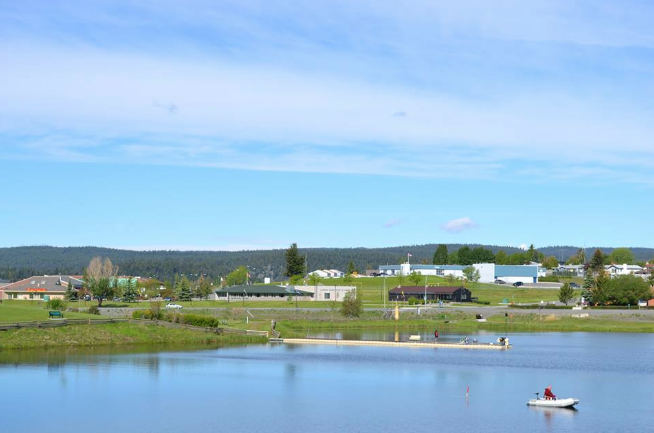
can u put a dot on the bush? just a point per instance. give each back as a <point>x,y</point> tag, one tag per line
<point>352,305</point>
<point>55,304</point>
<point>481,302</point>
<point>195,320</point>
<point>93,309</point>
<point>147,315</point>
<point>548,279</point>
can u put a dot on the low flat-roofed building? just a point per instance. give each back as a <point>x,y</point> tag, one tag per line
<point>261,292</point>
<point>328,293</point>
<point>432,293</point>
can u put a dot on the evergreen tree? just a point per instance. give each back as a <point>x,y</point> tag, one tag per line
<point>597,262</point>
<point>130,293</point>
<point>184,290</point>
<point>589,284</point>
<point>202,288</point>
<point>532,254</point>
<point>599,293</point>
<point>453,258</point>
<point>294,262</point>
<point>350,268</point>
<point>441,255</point>
<point>566,293</point>
<point>71,293</point>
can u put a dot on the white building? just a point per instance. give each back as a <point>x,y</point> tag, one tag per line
<point>437,270</point>
<point>625,269</point>
<point>328,293</point>
<point>489,272</point>
<point>328,273</point>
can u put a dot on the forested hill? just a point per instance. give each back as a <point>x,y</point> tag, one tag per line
<point>22,262</point>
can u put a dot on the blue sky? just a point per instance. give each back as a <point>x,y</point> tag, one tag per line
<point>254,124</point>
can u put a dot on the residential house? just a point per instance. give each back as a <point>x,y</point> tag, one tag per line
<point>37,287</point>
<point>328,273</point>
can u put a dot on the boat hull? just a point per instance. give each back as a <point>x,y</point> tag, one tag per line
<point>561,402</point>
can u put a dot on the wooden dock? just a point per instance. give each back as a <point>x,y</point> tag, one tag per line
<point>408,344</point>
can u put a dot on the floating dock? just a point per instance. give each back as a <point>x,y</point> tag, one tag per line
<point>409,344</point>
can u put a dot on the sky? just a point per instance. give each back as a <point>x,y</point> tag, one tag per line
<point>229,125</point>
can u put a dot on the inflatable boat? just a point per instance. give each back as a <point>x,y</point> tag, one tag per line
<point>559,402</point>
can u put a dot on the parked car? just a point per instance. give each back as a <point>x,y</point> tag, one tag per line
<point>167,299</point>
<point>499,282</point>
<point>87,297</point>
<point>174,306</point>
<point>574,285</point>
<point>518,284</point>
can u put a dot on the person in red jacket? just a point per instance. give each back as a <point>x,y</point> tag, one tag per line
<point>548,393</point>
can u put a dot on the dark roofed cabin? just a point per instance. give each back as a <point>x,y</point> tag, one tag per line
<point>434,293</point>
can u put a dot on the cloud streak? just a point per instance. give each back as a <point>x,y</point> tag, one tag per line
<point>459,225</point>
<point>392,223</point>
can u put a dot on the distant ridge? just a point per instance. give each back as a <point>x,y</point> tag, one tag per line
<point>21,262</point>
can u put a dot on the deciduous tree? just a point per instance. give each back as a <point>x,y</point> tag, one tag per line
<point>622,256</point>
<point>100,274</point>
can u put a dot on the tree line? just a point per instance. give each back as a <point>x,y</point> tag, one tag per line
<point>23,262</point>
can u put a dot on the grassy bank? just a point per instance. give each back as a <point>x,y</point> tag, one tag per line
<point>116,334</point>
<point>464,322</point>
<point>24,311</point>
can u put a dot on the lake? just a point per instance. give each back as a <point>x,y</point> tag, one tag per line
<point>279,388</point>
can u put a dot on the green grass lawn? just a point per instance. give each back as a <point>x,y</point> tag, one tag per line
<point>25,311</point>
<point>114,335</point>
<point>373,290</point>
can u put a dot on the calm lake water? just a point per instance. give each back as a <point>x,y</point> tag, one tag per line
<point>278,388</point>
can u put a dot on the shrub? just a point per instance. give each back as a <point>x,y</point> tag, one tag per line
<point>147,315</point>
<point>55,304</point>
<point>352,305</point>
<point>549,279</point>
<point>195,320</point>
<point>93,309</point>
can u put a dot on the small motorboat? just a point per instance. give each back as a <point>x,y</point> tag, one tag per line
<point>559,402</point>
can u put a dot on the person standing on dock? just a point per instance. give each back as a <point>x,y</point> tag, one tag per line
<point>436,334</point>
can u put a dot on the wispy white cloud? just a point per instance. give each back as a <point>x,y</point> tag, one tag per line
<point>459,225</point>
<point>392,223</point>
<point>266,89</point>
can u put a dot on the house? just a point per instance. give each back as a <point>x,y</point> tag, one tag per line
<point>327,293</point>
<point>37,287</point>
<point>489,272</point>
<point>328,273</point>
<point>571,270</point>
<point>625,269</point>
<point>261,292</point>
<point>408,269</point>
<point>432,293</point>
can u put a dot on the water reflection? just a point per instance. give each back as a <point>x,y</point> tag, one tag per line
<point>335,388</point>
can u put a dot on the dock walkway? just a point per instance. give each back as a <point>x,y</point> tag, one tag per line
<point>411,344</point>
